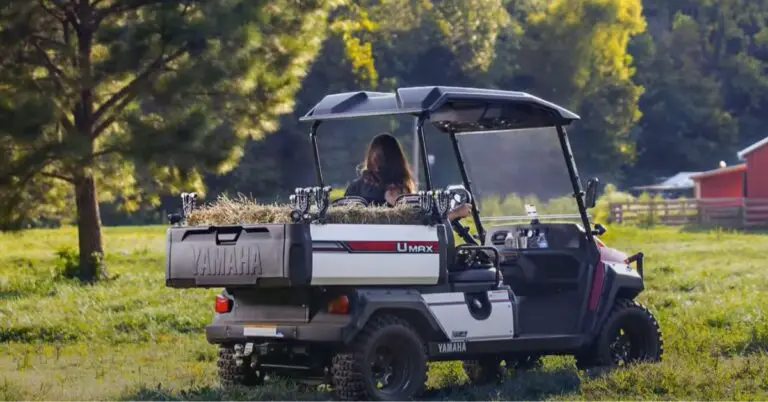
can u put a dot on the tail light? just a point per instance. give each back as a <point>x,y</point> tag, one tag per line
<point>339,305</point>
<point>223,304</point>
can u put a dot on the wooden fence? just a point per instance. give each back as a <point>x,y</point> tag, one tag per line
<point>724,212</point>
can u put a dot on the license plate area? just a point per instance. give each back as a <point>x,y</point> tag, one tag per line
<point>272,314</point>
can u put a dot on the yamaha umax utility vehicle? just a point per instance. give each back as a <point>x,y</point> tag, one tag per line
<point>366,306</point>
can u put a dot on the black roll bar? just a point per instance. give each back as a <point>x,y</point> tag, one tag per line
<point>315,152</point>
<point>423,148</point>
<point>578,193</point>
<point>468,185</point>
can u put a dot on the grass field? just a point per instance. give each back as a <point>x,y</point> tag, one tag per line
<point>133,338</point>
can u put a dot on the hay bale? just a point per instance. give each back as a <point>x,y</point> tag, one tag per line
<point>242,210</point>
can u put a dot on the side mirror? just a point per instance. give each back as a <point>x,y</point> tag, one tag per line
<point>591,194</point>
<point>598,230</point>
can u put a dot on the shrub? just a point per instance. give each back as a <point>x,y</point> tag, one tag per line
<point>68,264</point>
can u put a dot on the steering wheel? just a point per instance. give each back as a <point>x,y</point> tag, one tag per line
<point>458,195</point>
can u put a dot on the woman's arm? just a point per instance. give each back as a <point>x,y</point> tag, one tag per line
<point>460,212</point>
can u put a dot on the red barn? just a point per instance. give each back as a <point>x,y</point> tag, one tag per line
<point>746,180</point>
<point>727,182</point>
<point>756,156</point>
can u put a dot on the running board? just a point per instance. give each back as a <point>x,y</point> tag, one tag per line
<point>526,343</point>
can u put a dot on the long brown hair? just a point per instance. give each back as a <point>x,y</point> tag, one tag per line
<point>385,164</point>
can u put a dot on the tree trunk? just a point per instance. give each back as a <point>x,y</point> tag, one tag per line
<point>89,230</point>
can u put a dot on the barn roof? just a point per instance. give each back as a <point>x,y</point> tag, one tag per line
<point>742,167</point>
<point>754,147</point>
<point>450,109</point>
<point>679,181</point>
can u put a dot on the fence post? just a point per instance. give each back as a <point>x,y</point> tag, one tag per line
<point>699,212</point>
<point>743,212</point>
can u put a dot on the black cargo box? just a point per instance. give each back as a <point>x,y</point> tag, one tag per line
<point>238,255</point>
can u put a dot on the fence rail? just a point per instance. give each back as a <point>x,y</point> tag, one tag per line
<point>727,212</point>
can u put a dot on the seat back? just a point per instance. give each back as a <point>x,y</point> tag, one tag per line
<point>349,200</point>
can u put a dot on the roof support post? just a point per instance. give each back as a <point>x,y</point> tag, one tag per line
<point>468,185</point>
<point>315,152</point>
<point>423,145</point>
<point>416,150</point>
<point>578,193</point>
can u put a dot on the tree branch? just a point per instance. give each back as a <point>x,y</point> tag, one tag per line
<point>111,119</point>
<point>107,151</point>
<point>133,86</point>
<point>56,72</point>
<point>60,177</point>
<point>68,125</point>
<point>49,41</point>
<point>51,12</point>
<point>68,12</point>
<point>128,5</point>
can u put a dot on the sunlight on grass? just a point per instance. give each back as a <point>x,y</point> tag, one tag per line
<point>132,338</point>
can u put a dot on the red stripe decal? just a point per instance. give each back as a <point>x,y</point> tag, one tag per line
<point>597,286</point>
<point>417,247</point>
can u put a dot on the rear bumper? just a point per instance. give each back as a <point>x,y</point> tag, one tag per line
<point>327,332</point>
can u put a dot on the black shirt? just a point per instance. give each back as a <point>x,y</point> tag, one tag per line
<point>372,191</point>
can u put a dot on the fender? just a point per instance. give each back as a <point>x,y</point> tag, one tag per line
<point>368,302</point>
<point>621,281</point>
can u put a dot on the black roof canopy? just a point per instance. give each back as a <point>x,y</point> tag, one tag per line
<point>450,109</point>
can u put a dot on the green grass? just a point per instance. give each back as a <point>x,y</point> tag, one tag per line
<point>133,338</point>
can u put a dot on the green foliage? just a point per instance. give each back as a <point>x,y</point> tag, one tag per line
<point>575,53</point>
<point>68,262</point>
<point>514,205</point>
<point>703,69</point>
<point>68,265</point>
<point>611,194</point>
<point>122,100</point>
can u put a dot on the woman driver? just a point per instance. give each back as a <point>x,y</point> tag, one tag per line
<point>386,174</point>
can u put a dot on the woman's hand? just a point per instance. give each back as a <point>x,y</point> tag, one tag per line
<point>460,212</point>
<point>392,193</point>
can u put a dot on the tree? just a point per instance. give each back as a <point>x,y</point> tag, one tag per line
<point>574,52</point>
<point>535,45</point>
<point>121,99</point>
<point>704,66</point>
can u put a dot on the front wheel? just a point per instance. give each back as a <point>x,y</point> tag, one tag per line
<point>630,334</point>
<point>386,361</point>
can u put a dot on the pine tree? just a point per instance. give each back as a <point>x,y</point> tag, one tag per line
<point>121,99</point>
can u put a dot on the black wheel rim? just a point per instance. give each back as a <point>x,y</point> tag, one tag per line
<point>629,344</point>
<point>390,368</point>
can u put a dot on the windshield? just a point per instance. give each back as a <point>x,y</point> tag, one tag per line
<point>509,169</point>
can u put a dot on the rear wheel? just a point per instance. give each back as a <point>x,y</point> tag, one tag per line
<point>630,334</point>
<point>237,370</point>
<point>386,361</point>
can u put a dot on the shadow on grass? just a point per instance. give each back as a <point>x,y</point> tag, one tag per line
<point>531,385</point>
<point>269,392</point>
<point>524,386</point>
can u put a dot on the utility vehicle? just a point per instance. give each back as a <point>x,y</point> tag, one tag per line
<point>365,307</point>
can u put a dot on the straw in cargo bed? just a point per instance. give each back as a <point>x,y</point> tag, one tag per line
<point>242,210</point>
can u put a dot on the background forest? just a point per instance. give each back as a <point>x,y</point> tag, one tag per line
<point>148,98</point>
